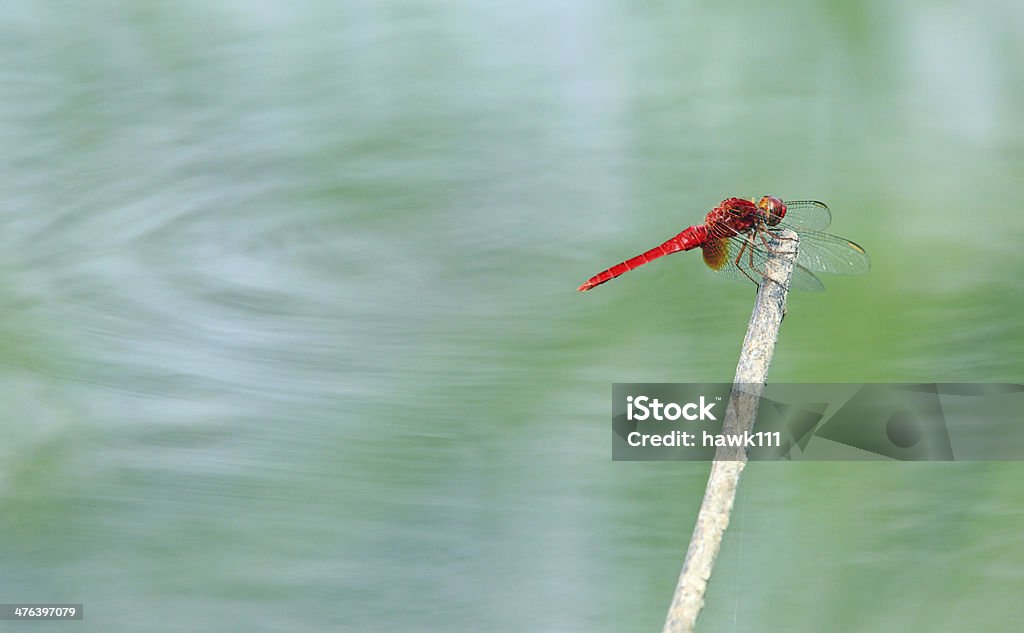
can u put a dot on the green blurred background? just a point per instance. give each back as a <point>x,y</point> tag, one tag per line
<point>290,336</point>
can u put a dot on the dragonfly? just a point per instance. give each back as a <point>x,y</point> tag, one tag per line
<point>736,237</point>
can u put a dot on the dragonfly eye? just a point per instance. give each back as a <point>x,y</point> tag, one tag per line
<point>774,208</point>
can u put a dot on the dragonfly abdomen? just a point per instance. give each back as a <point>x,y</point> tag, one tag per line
<point>684,241</point>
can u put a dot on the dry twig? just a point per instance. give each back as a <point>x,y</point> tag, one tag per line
<point>720,493</point>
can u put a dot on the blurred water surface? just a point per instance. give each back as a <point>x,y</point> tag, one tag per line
<point>290,337</point>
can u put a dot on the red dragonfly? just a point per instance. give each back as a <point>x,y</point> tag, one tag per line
<point>734,240</point>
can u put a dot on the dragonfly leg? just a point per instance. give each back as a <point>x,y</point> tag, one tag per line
<point>764,241</point>
<point>780,238</point>
<point>750,256</point>
<point>760,273</point>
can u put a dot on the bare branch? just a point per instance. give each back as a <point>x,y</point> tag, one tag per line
<point>748,385</point>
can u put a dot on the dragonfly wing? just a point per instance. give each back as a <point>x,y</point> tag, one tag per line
<point>741,258</point>
<point>804,279</point>
<point>807,215</point>
<point>826,253</point>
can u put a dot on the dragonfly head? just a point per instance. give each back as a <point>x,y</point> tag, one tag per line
<point>774,209</point>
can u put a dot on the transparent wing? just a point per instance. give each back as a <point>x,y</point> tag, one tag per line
<point>807,215</point>
<point>824,253</point>
<point>743,258</point>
